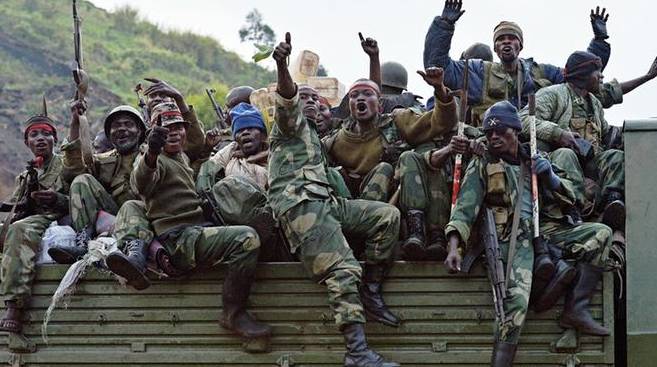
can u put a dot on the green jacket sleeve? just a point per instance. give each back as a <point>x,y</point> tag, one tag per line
<point>145,179</point>
<point>546,130</point>
<point>610,94</point>
<point>469,201</point>
<point>288,115</point>
<point>417,129</point>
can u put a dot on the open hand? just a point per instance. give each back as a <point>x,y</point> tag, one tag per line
<point>452,11</point>
<point>599,23</point>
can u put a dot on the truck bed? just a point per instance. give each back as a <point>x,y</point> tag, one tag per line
<point>447,321</point>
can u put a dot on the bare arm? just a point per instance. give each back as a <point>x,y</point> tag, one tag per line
<point>371,48</point>
<point>630,85</point>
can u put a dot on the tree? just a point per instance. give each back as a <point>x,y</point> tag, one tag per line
<point>255,30</point>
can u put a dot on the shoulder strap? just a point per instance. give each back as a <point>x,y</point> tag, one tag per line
<point>515,224</point>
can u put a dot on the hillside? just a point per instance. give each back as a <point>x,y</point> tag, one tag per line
<point>36,51</point>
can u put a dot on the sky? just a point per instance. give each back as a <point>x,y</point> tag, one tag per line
<point>552,31</point>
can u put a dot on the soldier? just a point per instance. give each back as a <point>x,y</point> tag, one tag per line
<point>162,173</point>
<point>570,121</point>
<point>394,88</point>
<point>37,210</point>
<point>500,180</point>
<point>326,124</point>
<point>217,137</point>
<point>313,219</point>
<point>477,51</point>
<point>369,143</point>
<point>105,186</point>
<point>513,78</point>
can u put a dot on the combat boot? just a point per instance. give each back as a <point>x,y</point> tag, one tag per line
<point>437,248</point>
<point>503,354</point>
<point>543,265</point>
<point>576,312</point>
<point>414,247</point>
<point>562,279</point>
<point>68,254</point>
<point>132,266</point>
<point>359,353</point>
<point>236,290</point>
<point>370,295</point>
<point>613,214</point>
<point>12,321</point>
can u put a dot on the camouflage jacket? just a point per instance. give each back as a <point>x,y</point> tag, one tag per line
<point>554,114</point>
<point>493,182</point>
<point>297,167</point>
<point>50,178</point>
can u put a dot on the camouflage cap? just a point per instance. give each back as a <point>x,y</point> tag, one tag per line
<point>165,114</point>
<point>507,28</point>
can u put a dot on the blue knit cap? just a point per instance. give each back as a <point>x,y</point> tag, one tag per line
<point>244,116</point>
<point>502,114</point>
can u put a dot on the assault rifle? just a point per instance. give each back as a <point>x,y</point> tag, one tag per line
<point>221,116</point>
<point>494,264</point>
<point>82,85</point>
<point>458,161</point>
<point>142,104</point>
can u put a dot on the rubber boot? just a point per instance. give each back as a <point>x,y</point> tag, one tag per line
<point>437,248</point>
<point>503,354</point>
<point>560,282</point>
<point>414,246</point>
<point>576,312</point>
<point>236,290</point>
<point>132,266</point>
<point>614,211</point>
<point>543,265</point>
<point>13,309</point>
<point>68,254</point>
<point>370,296</point>
<point>359,353</point>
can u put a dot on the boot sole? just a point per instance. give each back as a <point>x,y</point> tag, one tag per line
<point>414,251</point>
<point>60,256</point>
<point>614,215</point>
<point>227,326</point>
<point>569,325</point>
<point>122,267</point>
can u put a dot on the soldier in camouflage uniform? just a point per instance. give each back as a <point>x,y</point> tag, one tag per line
<point>313,218</point>
<point>500,180</point>
<point>570,121</point>
<point>162,173</point>
<point>23,238</point>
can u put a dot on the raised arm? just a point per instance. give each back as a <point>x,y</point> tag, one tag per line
<point>371,48</point>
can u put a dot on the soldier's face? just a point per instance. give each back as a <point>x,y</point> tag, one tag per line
<point>176,138</point>
<point>250,140</point>
<point>595,79</point>
<point>41,142</point>
<point>309,99</point>
<point>124,134</point>
<point>156,98</point>
<point>507,48</point>
<point>502,140</point>
<point>363,103</point>
<point>324,119</point>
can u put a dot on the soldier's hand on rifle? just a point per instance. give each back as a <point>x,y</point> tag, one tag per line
<point>434,77</point>
<point>599,23</point>
<point>567,140</point>
<point>545,173</point>
<point>157,139</point>
<point>452,11</point>
<point>163,88</point>
<point>369,45</point>
<point>453,259</point>
<point>459,145</point>
<point>44,197</point>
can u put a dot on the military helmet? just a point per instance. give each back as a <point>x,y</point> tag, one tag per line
<point>237,95</point>
<point>394,74</point>
<point>129,110</point>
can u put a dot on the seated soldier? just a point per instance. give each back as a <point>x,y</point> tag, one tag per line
<point>36,207</point>
<point>165,181</point>
<point>218,138</point>
<point>570,122</point>
<point>313,219</point>
<point>326,124</point>
<point>500,180</point>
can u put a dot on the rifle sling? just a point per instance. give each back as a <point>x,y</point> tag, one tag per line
<point>514,225</point>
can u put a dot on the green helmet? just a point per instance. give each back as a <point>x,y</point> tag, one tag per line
<point>393,74</point>
<point>237,95</point>
<point>129,110</point>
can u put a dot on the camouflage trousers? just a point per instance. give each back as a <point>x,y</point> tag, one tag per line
<point>204,247</point>
<point>424,188</point>
<point>314,230</point>
<point>375,186</point>
<point>131,224</point>
<point>607,168</point>
<point>88,197</point>
<point>588,242</point>
<point>19,259</point>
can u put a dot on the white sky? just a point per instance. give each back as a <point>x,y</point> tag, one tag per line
<point>552,30</point>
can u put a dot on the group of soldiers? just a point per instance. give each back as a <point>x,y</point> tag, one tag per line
<point>370,180</point>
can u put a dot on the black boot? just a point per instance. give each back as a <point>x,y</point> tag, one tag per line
<point>543,265</point>
<point>573,214</point>
<point>66,254</point>
<point>576,312</point>
<point>358,353</point>
<point>562,280</point>
<point>503,354</point>
<point>237,287</point>
<point>370,295</point>
<point>437,248</point>
<point>414,246</point>
<point>614,211</point>
<point>131,266</point>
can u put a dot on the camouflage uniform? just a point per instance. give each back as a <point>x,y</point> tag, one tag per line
<point>494,183</point>
<point>558,109</point>
<point>313,218</point>
<point>24,236</point>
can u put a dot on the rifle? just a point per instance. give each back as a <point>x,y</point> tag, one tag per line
<point>82,84</point>
<point>25,205</point>
<point>456,185</point>
<point>494,265</point>
<point>221,116</point>
<point>210,208</point>
<point>142,104</point>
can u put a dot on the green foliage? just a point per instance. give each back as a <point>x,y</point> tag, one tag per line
<point>256,30</point>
